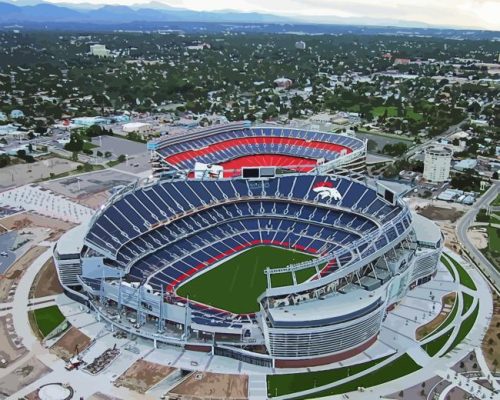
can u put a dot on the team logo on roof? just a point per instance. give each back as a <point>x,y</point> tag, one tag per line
<point>326,190</point>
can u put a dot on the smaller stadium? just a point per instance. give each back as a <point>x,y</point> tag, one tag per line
<point>228,148</point>
<point>286,265</point>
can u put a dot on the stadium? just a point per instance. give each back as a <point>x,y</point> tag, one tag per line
<point>262,244</point>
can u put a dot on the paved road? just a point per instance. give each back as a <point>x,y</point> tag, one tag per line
<point>463,225</point>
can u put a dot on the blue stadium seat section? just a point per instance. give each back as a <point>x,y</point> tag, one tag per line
<point>166,232</point>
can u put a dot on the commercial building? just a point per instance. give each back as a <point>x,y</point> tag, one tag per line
<point>140,128</point>
<point>99,50</point>
<point>437,163</point>
<point>301,45</point>
<point>283,83</point>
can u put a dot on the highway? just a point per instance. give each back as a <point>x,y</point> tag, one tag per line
<point>463,225</point>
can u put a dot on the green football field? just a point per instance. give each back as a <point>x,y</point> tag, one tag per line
<point>235,284</point>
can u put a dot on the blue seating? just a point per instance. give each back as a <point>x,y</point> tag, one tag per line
<point>166,232</point>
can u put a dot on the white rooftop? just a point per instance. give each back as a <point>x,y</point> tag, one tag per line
<point>331,306</point>
<point>425,229</point>
<point>72,241</point>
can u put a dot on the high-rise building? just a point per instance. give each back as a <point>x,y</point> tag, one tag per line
<point>437,163</point>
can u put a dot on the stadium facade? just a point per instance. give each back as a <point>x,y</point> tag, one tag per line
<point>150,238</point>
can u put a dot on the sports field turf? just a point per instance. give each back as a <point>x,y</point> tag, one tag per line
<point>235,284</point>
<point>47,319</point>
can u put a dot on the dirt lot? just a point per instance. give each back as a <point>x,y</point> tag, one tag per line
<point>25,375</point>
<point>94,201</point>
<point>447,306</point>
<point>478,237</point>
<point>46,282</point>
<point>440,213</point>
<point>26,220</point>
<point>8,350</point>
<point>9,281</point>
<point>206,385</point>
<point>143,375</point>
<point>491,341</point>
<point>65,347</point>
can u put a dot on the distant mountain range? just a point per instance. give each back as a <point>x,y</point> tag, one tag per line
<point>47,12</point>
<point>37,14</point>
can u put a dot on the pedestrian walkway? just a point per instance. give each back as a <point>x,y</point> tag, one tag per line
<point>257,387</point>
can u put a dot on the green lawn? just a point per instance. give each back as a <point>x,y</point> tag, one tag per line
<point>236,284</point>
<point>448,267</point>
<point>468,299</point>
<point>47,319</point>
<point>496,202</point>
<point>89,145</point>
<point>465,278</point>
<point>280,385</point>
<point>401,366</point>
<point>413,115</point>
<point>391,111</point>
<point>464,330</point>
<point>494,237</point>
<point>433,347</point>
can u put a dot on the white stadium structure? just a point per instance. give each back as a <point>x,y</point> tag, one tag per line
<point>279,187</point>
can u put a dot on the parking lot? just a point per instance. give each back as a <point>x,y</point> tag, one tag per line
<point>117,145</point>
<point>7,257</point>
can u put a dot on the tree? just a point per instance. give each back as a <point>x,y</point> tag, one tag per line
<point>4,160</point>
<point>95,130</point>
<point>75,144</point>
<point>122,158</point>
<point>467,181</point>
<point>395,150</point>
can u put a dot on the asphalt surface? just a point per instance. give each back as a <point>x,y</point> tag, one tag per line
<point>463,225</point>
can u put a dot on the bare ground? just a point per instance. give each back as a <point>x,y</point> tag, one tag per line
<point>143,375</point>
<point>46,282</point>
<point>207,385</point>
<point>9,281</point>
<point>9,351</point>
<point>94,201</point>
<point>479,238</point>
<point>491,341</point>
<point>440,213</point>
<point>27,220</point>
<point>65,347</point>
<point>424,330</point>
<point>102,396</point>
<point>25,375</point>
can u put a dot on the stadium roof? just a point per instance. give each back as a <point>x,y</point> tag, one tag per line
<point>72,241</point>
<point>425,229</point>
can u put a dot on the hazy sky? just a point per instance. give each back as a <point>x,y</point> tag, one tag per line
<point>473,13</point>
